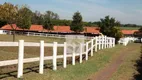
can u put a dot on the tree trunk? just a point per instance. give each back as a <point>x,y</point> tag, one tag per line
<point>13,33</point>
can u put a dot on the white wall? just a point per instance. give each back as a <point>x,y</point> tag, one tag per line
<point>3,32</point>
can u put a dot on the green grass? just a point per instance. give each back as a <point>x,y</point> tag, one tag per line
<point>8,53</point>
<point>77,72</point>
<point>129,28</point>
<point>127,69</point>
<point>30,38</point>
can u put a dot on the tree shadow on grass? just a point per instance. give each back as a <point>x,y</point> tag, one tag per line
<point>36,68</point>
<point>138,66</point>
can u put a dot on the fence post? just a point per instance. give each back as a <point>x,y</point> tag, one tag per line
<point>105,42</point>
<point>81,51</point>
<point>99,42</point>
<point>102,42</point>
<point>20,58</point>
<point>108,42</point>
<point>86,50</point>
<point>113,42</point>
<point>65,55</point>
<point>55,56</point>
<point>92,44</point>
<point>73,56</point>
<point>41,64</point>
<point>28,34</point>
<point>96,43</point>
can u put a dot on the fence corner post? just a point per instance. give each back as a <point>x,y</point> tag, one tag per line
<point>55,56</point>
<point>65,55</point>
<point>92,44</point>
<point>86,50</point>
<point>41,63</point>
<point>73,56</point>
<point>96,44</point>
<point>20,58</point>
<point>81,51</point>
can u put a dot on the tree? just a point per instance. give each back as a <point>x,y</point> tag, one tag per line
<point>47,24</point>
<point>2,23</point>
<point>138,33</point>
<point>8,13</point>
<point>24,17</point>
<point>76,24</point>
<point>108,27</point>
<point>37,18</point>
<point>49,16</point>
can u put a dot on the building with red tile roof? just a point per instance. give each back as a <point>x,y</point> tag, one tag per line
<point>93,30</point>
<point>38,28</point>
<point>64,29</point>
<point>128,32</point>
<point>8,27</point>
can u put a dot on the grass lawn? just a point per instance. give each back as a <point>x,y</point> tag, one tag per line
<point>8,53</point>
<point>77,72</point>
<point>130,28</point>
<point>128,68</point>
<point>31,38</point>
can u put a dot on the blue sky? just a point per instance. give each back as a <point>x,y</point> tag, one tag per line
<point>126,11</point>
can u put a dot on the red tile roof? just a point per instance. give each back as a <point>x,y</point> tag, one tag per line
<point>94,30</point>
<point>128,31</point>
<point>8,27</point>
<point>36,28</point>
<point>62,29</point>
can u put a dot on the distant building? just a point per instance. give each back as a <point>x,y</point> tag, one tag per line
<point>63,30</point>
<point>89,31</point>
<point>127,33</point>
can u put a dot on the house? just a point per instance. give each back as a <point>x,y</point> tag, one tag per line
<point>62,30</point>
<point>128,33</point>
<point>89,31</point>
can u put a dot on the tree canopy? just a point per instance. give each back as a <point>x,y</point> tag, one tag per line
<point>8,13</point>
<point>109,26</point>
<point>76,24</point>
<point>48,18</point>
<point>24,17</point>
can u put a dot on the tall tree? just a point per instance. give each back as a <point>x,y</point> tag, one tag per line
<point>8,13</point>
<point>76,24</point>
<point>47,24</point>
<point>49,16</point>
<point>108,27</point>
<point>24,17</point>
<point>2,23</point>
<point>37,18</point>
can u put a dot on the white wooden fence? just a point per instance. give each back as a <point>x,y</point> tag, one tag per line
<point>126,40</point>
<point>97,43</point>
<point>46,35</point>
<point>50,35</point>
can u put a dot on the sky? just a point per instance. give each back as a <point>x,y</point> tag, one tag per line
<point>125,11</point>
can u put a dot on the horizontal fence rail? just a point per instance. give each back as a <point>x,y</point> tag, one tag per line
<point>46,35</point>
<point>93,45</point>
